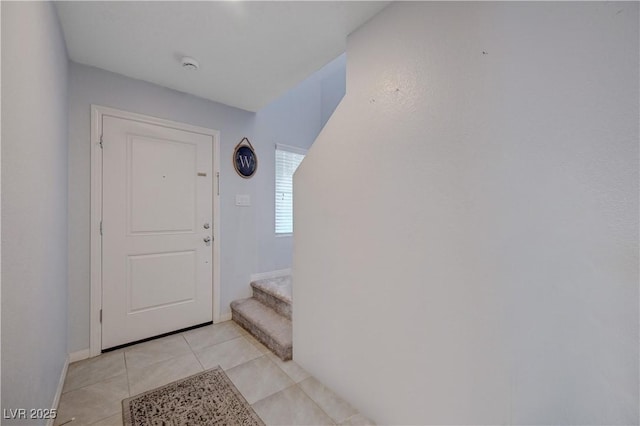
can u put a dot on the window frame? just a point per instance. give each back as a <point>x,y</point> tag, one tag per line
<point>292,150</point>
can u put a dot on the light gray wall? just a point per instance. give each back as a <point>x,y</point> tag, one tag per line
<point>294,119</point>
<point>248,242</point>
<point>472,257</point>
<point>34,201</point>
<point>334,86</point>
<point>95,86</point>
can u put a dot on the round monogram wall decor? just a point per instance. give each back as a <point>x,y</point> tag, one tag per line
<point>245,160</point>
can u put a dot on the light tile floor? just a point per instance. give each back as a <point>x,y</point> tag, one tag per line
<point>281,393</point>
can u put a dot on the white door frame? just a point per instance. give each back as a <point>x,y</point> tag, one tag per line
<point>97,112</point>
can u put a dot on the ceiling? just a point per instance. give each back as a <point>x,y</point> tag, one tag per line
<point>249,52</point>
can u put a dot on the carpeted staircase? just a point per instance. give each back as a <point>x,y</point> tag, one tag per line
<point>267,315</point>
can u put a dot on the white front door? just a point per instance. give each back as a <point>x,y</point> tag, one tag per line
<point>157,215</point>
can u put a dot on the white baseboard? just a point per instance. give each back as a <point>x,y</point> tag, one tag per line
<point>56,399</point>
<point>223,318</point>
<point>272,274</point>
<point>79,355</point>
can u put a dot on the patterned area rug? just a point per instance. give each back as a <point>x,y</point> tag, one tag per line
<point>207,398</point>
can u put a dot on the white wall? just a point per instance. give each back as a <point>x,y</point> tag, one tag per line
<point>472,256</point>
<point>248,242</point>
<point>34,201</point>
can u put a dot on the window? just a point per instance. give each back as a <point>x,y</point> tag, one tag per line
<point>288,159</point>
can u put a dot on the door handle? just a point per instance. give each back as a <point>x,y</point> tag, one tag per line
<point>207,240</point>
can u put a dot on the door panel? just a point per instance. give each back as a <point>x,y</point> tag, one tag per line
<point>151,280</point>
<point>157,195</point>
<point>162,188</point>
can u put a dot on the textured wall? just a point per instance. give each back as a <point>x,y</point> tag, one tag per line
<point>466,238</point>
<point>34,205</point>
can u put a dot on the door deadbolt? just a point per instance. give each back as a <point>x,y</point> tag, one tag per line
<point>206,225</point>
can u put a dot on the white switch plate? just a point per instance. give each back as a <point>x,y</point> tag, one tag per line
<point>243,200</point>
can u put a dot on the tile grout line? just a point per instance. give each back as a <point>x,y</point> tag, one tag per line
<point>278,362</point>
<point>240,335</point>
<point>96,383</point>
<point>304,393</point>
<point>161,360</point>
<point>269,361</point>
<point>226,341</point>
<point>209,346</point>
<point>88,360</point>
<point>215,344</point>
<point>352,416</point>
<point>275,393</point>
<point>283,370</point>
<point>311,398</point>
<point>259,343</point>
<point>126,370</point>
<point>258,352</point>
<point>193,352</point>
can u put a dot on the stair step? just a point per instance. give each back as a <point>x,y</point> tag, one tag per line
<point>270,328</point>
<point>275,293</point>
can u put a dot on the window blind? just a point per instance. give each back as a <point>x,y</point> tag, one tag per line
<point>287,161</point>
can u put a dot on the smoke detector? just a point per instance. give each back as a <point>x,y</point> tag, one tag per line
<point>189,64</point>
